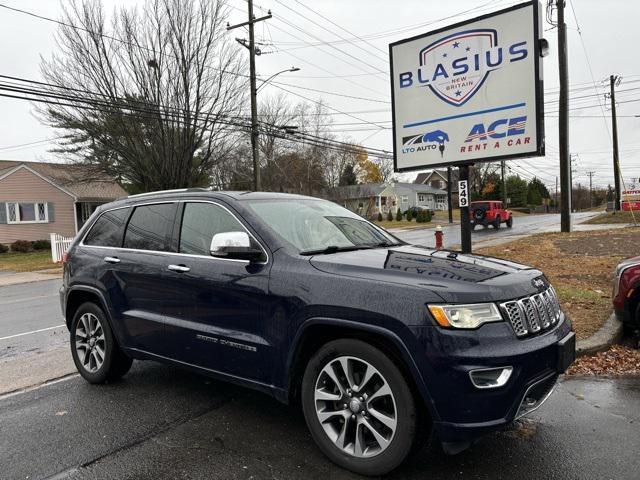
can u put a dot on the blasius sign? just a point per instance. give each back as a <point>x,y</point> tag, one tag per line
<point>470,92</point>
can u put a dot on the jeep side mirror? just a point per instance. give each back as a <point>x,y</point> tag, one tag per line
<point>235,246</point>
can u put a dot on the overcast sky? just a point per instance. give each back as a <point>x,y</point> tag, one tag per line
<point>609,32</point>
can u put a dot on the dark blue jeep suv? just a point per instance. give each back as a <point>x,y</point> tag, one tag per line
<point>381,342</point>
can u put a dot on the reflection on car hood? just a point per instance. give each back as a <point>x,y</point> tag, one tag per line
<point>455,277</point>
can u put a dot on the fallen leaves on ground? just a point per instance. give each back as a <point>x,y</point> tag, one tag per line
<point>618,360</point>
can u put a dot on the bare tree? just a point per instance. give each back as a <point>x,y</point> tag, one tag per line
<point>153,99</point>
<point>385,166</point>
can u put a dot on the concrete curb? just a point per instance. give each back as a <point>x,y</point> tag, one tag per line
<point>27,277</point>
<point>609,333</point>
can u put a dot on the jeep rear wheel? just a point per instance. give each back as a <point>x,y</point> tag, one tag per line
<point>510,221</point>
<point>358,407</point>
<point>95,352</point>
<point>496,223</point>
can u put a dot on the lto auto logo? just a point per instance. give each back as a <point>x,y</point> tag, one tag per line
<point>456,66</point>
<point>424,141</point>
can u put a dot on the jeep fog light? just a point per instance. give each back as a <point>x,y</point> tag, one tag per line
<point>490,377</point>
<point>465,316</point>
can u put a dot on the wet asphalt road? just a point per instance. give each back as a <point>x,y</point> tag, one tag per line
<point>481,236</point>
<point>160,422</point>
<point>30,318</point>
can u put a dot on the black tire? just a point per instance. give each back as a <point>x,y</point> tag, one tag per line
<point>115,363</point>
<point>496,223</point>
<point>473,226</point>
<point>510,221</point>
<point>403,440</point>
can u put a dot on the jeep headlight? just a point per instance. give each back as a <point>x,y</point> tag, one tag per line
<point>465,316</point>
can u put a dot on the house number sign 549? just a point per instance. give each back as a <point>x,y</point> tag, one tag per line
<point>463,193</point>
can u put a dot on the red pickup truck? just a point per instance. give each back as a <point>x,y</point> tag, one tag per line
<point>489,212</point>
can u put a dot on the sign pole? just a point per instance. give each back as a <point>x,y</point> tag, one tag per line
<point>465,220</point>
<point>449,203</point>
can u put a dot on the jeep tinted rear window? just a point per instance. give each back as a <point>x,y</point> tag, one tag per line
<point>150,227</point>
<point>107,231</point>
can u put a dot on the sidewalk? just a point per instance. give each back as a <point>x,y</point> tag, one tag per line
<point>14,278</point>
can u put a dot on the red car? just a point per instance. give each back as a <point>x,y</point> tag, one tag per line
<point>490,212</point>
<point>626,293</point>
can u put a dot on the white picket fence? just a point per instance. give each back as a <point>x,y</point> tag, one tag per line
<point>59,245</point>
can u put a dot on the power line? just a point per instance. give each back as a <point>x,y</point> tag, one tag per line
<point>141,113</point>
<point>110,37</point>
<point>383,59</point>
<point>344,30</point>
<point>332,93</point>
<point>292,25</point>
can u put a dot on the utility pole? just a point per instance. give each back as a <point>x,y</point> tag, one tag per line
<point>591,188</point>
<point>565,163</point>
<point>254,91</point>
<point>503,188</point>
<point>615,80</point>
<point>556,197</point>
<point>449,202</point>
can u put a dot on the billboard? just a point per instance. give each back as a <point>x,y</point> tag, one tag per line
<point>470,92</point>
<point>630,200</point>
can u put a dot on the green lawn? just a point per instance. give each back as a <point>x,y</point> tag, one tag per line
<point>440,218</point>
<point>610,217</point>
<point>26,262</point>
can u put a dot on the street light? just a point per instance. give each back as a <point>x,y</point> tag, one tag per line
<point>264,82</point>
<point>254,122</point>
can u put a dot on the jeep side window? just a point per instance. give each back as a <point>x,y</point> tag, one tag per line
<point>150,227</point>
<point>200,222</point>
<point>107,231</point>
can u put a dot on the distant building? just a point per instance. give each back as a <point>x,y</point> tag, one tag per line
<point>438,179</point>
<point>370,199</point>
<point>38,198</point>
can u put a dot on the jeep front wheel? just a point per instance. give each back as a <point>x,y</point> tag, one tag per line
<point>358,407</point>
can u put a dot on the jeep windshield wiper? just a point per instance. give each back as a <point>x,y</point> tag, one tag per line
<point>335,249</point>
<point>387,244</point>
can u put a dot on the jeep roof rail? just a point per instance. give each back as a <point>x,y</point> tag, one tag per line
<point>176,190</point>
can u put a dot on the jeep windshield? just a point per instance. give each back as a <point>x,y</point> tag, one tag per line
<point>320,226</point>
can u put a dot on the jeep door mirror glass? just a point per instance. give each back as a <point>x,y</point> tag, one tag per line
<point>235,246</point>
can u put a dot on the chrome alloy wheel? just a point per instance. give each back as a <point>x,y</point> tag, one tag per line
<point>90,342</point>
<point>355,406</point>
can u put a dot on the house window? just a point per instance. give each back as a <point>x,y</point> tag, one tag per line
<point>404,199</point>
<point>421,197</point>
<point>27,212</point>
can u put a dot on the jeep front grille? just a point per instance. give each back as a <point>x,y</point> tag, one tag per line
<point>534,314</point>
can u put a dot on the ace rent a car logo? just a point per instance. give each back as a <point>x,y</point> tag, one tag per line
<point>456,66</point>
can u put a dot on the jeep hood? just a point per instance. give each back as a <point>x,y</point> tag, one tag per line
<point>454,277</point>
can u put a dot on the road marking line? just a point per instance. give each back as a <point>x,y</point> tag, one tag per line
<point>31,332</point>
<point>37,297</point>
<point>48,383</point>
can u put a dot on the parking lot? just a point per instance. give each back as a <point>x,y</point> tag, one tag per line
<point>160,422</point>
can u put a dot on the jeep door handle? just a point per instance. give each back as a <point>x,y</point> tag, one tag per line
<point>178,268</point>
<point>112,259</point>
